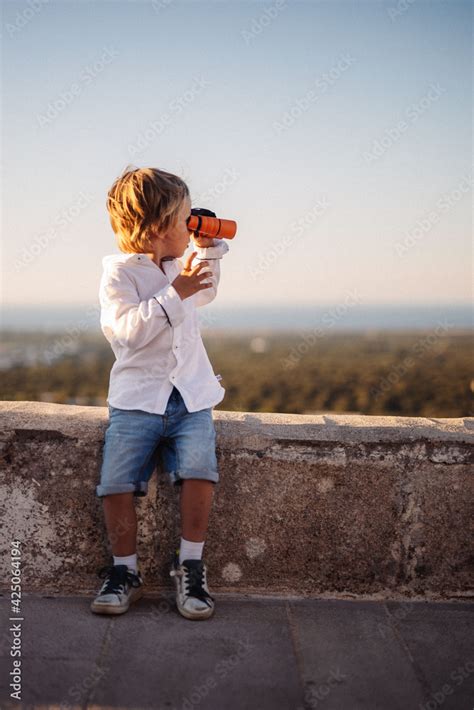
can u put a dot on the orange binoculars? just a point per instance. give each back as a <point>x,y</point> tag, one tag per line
<point>205,223</point>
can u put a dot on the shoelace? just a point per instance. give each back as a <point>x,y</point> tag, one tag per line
<point>193,581</point>
<point>118,577</point>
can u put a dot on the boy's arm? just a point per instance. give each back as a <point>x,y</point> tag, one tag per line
<point>213,255</point>
<point>131,322</point>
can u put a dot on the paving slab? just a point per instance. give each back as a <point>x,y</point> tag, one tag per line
<point>439,640</point>
<point>242,658</point>
<point>256,653</point>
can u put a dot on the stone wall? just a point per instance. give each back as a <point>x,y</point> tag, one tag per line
<point>328,505</point>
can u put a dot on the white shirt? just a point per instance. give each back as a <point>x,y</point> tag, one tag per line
<point>155,335</point>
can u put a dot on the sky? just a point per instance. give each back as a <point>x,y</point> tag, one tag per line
<point>336,134</point>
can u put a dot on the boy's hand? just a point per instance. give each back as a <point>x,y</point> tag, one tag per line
<point>189,280</point>
<point>203,241</point>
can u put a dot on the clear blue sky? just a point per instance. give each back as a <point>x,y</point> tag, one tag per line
<point>376,139</point>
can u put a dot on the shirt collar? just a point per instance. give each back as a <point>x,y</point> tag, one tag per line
<point>143,258</point>
<point>132,258</point>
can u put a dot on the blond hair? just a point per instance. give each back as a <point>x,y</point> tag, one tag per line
<point>141,202</point>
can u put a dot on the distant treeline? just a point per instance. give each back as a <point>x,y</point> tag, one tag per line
<point>404,373</point>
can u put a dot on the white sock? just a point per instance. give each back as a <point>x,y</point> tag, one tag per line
<point>190,550</point>
<point>129,560</point>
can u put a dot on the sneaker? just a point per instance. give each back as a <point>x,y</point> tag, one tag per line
<point>192,594</point>
<point>121,588</point>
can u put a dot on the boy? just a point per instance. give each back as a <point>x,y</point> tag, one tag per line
<point>162,387</point>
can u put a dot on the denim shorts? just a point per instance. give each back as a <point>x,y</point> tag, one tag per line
<point>135,440</point>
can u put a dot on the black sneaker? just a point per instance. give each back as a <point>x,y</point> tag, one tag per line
<point>192,594</point>
<point>121,588</point>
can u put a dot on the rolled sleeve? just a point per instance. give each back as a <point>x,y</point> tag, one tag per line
<point>213,255</point>
<point>172,304</point>
<point>217,251</point>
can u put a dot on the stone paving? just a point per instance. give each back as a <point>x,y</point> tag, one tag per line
<point>256,653</point>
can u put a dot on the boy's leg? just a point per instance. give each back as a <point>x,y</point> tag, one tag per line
<point>189,457</point>
<point>121,522</point>
<point>192,593</point>
<point>120,588</point>
<point>195,504</point>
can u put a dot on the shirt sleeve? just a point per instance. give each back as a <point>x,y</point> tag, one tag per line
<point>212,254</point>
<point>131,322</point>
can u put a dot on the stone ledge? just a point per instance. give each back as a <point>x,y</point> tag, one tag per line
<point>306,504</point>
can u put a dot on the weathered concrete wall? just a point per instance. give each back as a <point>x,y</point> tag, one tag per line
<point>329,504</point>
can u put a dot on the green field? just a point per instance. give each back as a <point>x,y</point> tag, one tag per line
<point>393,373</point>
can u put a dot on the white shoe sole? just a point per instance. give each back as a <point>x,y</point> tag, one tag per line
<point>99,608</point>
<point>196,615</point>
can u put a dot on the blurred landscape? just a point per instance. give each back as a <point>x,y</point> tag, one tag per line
<point>426,372</point>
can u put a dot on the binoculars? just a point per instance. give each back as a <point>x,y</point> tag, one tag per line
<point>205,224</point>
